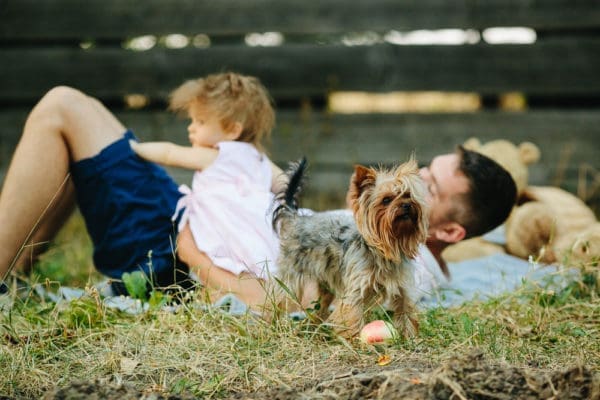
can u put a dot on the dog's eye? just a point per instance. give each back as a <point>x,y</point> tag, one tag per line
<point>387,200</point>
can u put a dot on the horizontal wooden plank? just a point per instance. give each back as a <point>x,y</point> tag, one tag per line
<point>557,67</point>
<point>110,19</point>
<point>569,140</point>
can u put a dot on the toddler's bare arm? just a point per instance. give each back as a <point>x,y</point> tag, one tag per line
<point>173,155</point>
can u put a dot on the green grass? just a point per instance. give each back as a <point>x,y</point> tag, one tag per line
<point>68,260</point>
<point>207,353</point>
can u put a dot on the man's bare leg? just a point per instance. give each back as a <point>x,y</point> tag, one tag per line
<point>217,281</point>
<point>37,195</point>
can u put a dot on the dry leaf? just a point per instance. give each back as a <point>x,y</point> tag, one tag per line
<point>384,359</point>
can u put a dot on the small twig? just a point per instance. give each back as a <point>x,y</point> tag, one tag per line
<point>344,375</point>
<point>33,229</point>
<point>456,388</point>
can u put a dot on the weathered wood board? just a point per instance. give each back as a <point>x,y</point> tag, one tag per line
<point>41,46</point>
<point>333,143</point>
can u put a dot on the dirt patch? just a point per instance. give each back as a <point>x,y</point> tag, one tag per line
<point>469,377</point>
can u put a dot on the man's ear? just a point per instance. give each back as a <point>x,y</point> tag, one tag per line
<point>450,232</point>
<point>235,131</point>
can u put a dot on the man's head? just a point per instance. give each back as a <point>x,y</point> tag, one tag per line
<point>468,193</point>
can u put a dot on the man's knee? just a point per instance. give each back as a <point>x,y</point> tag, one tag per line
<point>60,95</point>
<point>62,106</point>
<point>56,103</point>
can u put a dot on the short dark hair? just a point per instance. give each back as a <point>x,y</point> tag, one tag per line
<point>491,196</point>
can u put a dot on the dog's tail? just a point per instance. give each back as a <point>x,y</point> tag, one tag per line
<point>288,197</point>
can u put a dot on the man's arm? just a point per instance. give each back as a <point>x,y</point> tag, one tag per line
<point>218,281</point>
<point>172,155</point>
<point>278,179</point>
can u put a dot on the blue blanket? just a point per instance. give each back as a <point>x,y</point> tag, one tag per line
<point>476,279</point>
<point>493,275</point>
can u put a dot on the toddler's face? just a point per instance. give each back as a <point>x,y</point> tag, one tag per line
<point>205,130</point>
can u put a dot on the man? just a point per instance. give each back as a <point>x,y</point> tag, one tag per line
<point>469,195</point>
<point>71,144</point>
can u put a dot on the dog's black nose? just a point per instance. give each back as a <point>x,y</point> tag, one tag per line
<point>406,207</point>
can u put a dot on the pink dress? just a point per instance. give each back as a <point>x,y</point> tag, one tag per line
<point>229,210</point>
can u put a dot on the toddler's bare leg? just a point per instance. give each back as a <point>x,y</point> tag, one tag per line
<point>37,196</point>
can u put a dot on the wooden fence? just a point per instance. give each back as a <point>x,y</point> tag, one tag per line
<point>321,48</point>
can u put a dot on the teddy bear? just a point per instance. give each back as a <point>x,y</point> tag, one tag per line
<point>553,226</point>
<point>548,224</point>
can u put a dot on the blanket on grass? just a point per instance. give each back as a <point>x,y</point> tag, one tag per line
<point>476,279</point>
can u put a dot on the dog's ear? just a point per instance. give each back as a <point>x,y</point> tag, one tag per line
<point>361,179</point>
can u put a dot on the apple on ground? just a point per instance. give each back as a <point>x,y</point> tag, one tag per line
<point>377,332</point>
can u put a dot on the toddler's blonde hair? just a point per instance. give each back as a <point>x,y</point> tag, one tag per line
<point>231,98</point>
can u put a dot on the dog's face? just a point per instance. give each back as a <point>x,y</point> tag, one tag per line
<point>390,209</point>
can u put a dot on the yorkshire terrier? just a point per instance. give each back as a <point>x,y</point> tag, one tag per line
<point>357,258</point>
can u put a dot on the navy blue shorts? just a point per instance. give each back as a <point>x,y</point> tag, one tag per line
<point>127,204</point>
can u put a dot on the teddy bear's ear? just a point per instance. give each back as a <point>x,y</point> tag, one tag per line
<point>529,153</point>
<point>472,144</point>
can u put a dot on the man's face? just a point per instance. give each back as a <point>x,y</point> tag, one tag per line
<point>444,181</point>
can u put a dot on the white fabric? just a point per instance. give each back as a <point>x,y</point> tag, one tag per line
<point>427,275</point>
<point>229,210</point>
